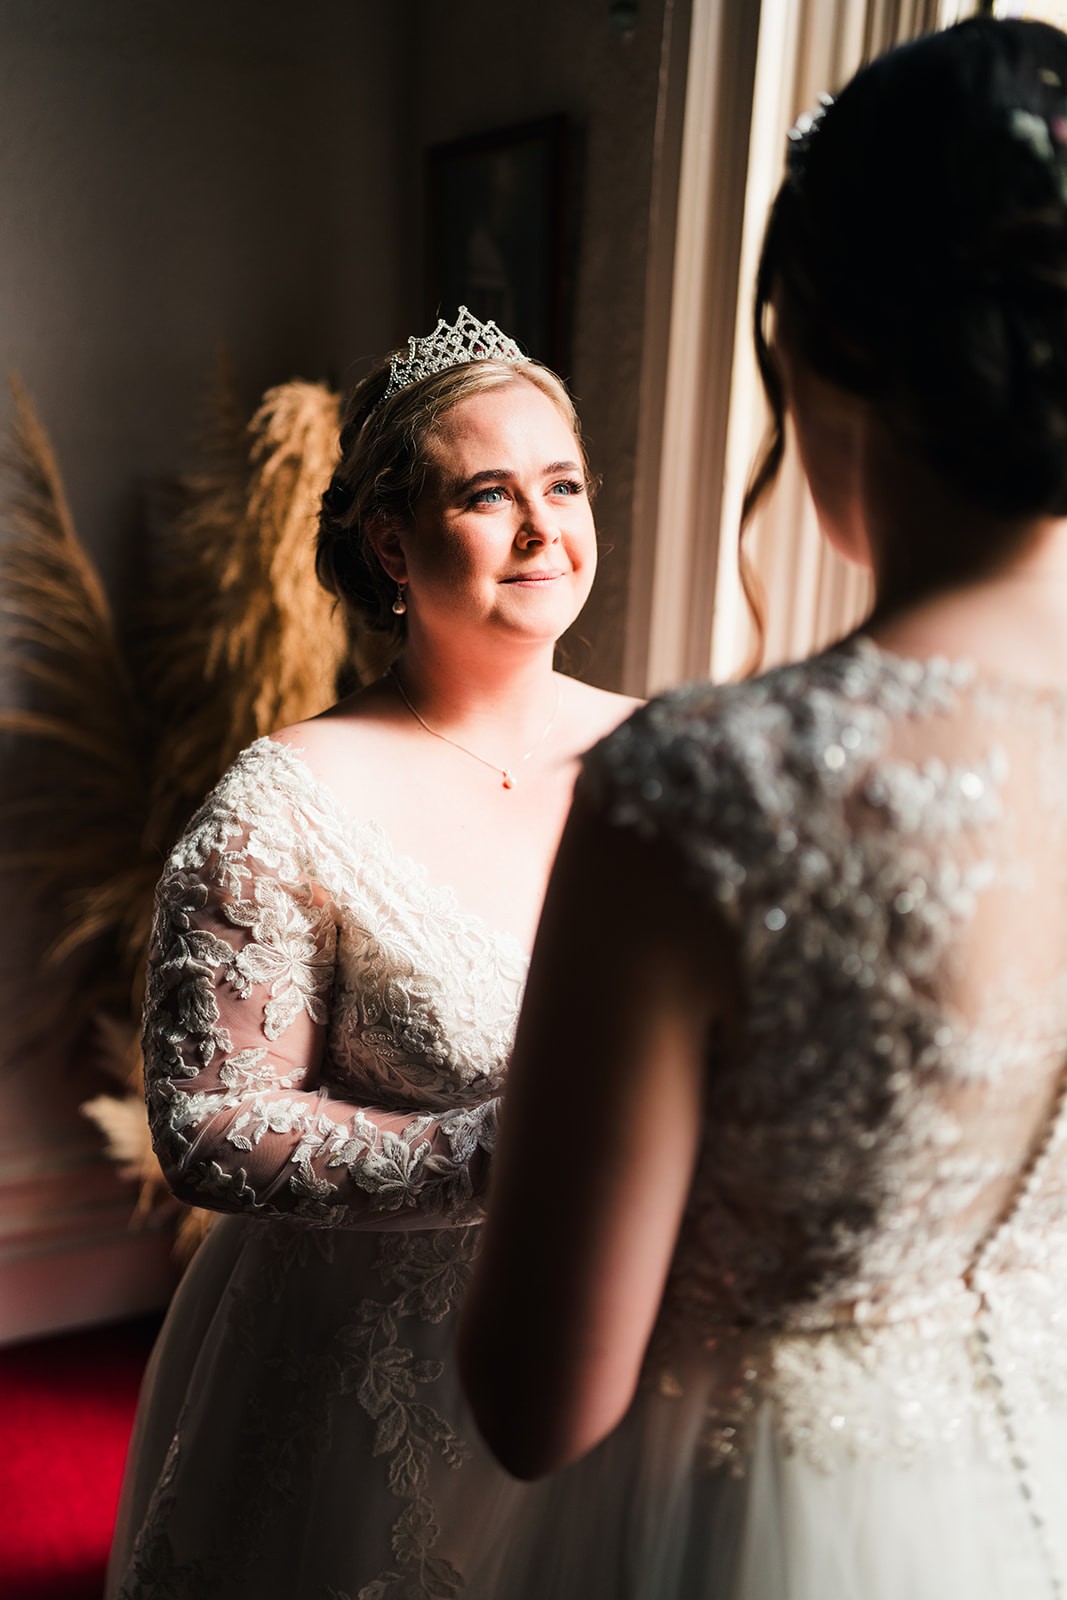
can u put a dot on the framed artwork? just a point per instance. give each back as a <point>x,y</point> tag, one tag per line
<point>499,233</point>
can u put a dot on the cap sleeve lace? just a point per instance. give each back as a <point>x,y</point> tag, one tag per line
<point>699,769</point>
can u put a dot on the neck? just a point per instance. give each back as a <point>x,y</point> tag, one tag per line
<point>951,579</point>
<point>507,691</point>
<point>949,546</point>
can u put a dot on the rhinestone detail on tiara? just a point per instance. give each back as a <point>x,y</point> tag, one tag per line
<point>449,345</point>
<point>801,134</point>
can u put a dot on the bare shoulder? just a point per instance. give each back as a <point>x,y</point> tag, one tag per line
<point>346,738</point>
<point>598,711</point>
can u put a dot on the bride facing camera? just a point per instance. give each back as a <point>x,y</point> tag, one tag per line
<point>340,950</point>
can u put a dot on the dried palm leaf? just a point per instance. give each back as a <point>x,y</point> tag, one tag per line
<point>238,638</point>
<point>241,638</point>
<point>121,1121</point>
<point>73,802</point>
<point>287,630</point>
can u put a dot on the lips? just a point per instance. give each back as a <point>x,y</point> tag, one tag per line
<point>533,577</point>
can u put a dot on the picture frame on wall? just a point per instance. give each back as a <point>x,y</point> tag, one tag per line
<point>499,233</point>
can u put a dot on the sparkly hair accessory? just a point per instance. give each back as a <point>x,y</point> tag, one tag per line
<point>449,345</point>
<point>802,133</point>
<point>1045,138</point>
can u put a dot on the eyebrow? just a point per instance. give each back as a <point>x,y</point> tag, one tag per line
<point>459,486</point>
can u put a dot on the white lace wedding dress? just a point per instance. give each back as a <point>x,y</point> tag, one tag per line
<point>301,1408</point>
<point>857,1389</point>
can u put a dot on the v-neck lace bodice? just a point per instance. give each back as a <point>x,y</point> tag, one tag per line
<point>369,838</point>
<point>326,1036</point>
<point>326,1029</point>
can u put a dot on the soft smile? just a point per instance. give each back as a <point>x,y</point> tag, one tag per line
<point>533,577</point>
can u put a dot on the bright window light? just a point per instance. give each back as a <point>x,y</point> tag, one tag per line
<point>1054,11</point>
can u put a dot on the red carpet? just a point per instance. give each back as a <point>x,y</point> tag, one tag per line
<point>66,1409</point>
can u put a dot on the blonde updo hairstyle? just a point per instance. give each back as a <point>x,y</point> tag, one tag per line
<point>382,472</point>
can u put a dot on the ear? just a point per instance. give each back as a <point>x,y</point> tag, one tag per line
<point>388,540</point>
<point>831,429</point>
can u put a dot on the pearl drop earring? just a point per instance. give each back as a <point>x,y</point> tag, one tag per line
<point>400,605</point>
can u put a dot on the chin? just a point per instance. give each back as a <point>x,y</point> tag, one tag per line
<point>544,613</point>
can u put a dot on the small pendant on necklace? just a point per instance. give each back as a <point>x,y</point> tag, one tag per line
<point>509,781</point>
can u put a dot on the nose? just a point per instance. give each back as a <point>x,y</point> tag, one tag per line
<point>536,527</point>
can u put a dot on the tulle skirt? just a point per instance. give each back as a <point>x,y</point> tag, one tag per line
<point>298,1420</point>
<point>639,1520</point>
<point>302,1435</point>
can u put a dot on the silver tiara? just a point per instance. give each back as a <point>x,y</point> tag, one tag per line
<point>449,345</point>
<point>1045,138</point>
<point>802,133</point>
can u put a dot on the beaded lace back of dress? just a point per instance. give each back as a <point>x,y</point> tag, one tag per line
<point>883,1145</point>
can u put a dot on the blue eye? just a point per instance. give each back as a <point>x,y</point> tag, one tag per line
<point>482,498</point>
<point>568,486</point>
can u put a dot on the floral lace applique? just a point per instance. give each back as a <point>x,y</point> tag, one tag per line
<point>291,951</point>
<point>398,998</point>
<point>290,1415</point>
<point>304,979</point>
<point>154,1569</point>
<point>432,1271</point>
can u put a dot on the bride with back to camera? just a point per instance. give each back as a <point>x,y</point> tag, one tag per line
<point>784,1276</point>
<point>340,949</point>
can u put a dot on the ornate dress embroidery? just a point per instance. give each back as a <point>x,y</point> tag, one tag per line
<point>876,1242</point>
<point>326,1034</point>
<point>871,1276</point>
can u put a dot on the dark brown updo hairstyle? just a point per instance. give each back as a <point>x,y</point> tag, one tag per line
<point>382,471</point>
<point>916,257</point>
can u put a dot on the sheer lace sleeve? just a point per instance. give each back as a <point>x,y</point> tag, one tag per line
<point>237,1016</point>
<point>699,768</point>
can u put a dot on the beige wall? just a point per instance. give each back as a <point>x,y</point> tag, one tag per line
<point>173,176</point>
<point>178,176</point>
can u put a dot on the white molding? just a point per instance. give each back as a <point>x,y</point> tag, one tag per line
<point>71,1249</point>
<point>103,1279</point>
<point>675,554</point>
<point>659,294</point>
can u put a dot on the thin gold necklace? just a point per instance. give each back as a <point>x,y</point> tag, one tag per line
<point>505,772</point>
